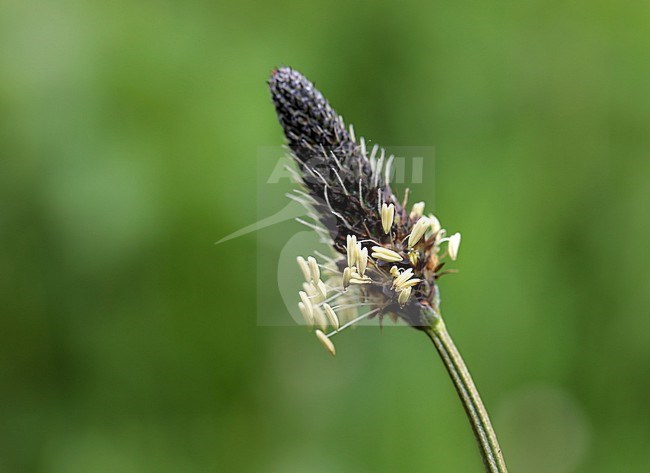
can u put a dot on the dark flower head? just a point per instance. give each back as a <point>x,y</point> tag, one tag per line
<point>387,258</point>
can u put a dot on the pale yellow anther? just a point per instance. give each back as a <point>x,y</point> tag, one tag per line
<point>314,270</point>
<point>435,223</point>
<point>418,231</point>
<point>417,210</point>
<point>403,297</point>
<point>401,277</point>
<point>347,275</point>
<point>322,289</point>
<point>453,245</point>
<point>384,254</point>
<point>359,282</point>
<point>304,267</point>
<point>305,300</point>
<point>331,316</point>
<point>351,249</point>
<point>327,343</point>
<point>363,260</point>
<point>320,319</point>
<point>306,314</point>
<point>356,278</point>
<point>414,257</point>
<point>410,283</point>
<point>387,217</point>
<point>312,292</point>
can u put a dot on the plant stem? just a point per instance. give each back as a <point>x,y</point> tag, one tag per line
<point>470,398</point>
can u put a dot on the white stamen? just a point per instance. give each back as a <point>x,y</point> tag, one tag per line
<point>327,343</point>
<point>308,305</point>
<point>334,297</point>
<point>331,316</point>
<point>312,292</point>
<point>440,237</point>
<point>410,283</point>
<point>363,260</point>
<point>405,280</point>
<point>414,257</point>
<point>353,321</point>
<point>347,275</point>
<point>417,210</point>
<point>394,271</point>
<point>404,296</point>
<point>387,217</point>
<point>320,319</point>
<point>322,289</point>
<point>313,268</point>
<point>418,231</point>
<point>435,223</point>
<point>403,277</point>
<point>453,245</point>
<point>304,267</point>
<point>356,278</point>
<point>351,250</point>
<point>379,252</point>
<point>309,317</point>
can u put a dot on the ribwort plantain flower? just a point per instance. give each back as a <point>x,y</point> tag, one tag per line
<point>386,258</point>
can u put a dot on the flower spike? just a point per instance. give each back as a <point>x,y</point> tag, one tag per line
<point>385,258</point>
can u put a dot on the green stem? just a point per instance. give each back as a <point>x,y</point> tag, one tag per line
<point>470,398</point>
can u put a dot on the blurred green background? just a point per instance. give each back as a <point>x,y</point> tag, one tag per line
<point>129,133</point>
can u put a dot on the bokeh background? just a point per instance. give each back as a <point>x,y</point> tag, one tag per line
<point>129,137</point>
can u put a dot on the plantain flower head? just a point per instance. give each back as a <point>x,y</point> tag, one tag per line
<point>386,257</point>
